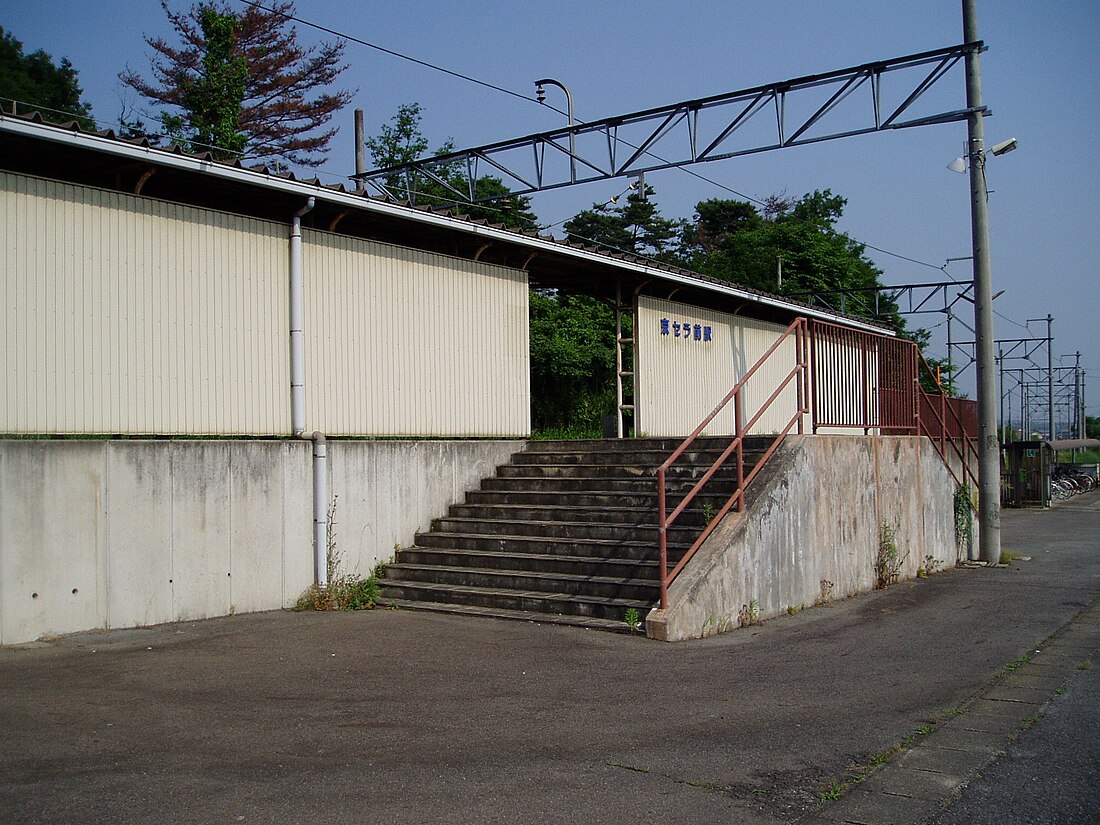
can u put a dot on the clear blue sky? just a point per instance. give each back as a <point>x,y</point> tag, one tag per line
<point>1041,80</point>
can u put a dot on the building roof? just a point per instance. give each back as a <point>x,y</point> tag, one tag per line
<point>104,159</point>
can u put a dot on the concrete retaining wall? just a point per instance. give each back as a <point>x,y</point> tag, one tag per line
<point>110,534</point>
<point>813,531</point>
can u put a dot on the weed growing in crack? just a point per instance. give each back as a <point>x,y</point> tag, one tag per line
<point>749,614</point>
<point>346,591</point>
<point>889,560</point>
<point>632,620</point>
<point>964,517</point>
<point>931,565</point>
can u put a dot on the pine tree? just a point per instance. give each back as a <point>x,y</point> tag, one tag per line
<point>286,101</point>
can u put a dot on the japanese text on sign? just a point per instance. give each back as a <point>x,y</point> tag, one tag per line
<point>686,330</point>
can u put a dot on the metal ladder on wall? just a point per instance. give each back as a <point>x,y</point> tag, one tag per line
<point>624,401</point>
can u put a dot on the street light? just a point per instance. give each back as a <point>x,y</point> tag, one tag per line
<point>1002,148</point>
<point>540,94</point>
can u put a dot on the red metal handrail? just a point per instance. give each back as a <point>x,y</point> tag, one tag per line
<point>799,330</point>
<point>889,401</point>
<point>942,439</point>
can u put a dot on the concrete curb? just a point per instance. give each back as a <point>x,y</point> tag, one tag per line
<point>917,785</point>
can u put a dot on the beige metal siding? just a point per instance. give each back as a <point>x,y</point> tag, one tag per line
<point>847,387</point>
<point>404,342</point>
<point>128,315</point>
<point>681,379</point>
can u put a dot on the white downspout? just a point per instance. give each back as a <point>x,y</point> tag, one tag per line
<point>297,313</point>
<point>298,400</point>
<point>320,509</point>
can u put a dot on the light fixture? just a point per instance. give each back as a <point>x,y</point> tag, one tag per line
<point>1002,148</point>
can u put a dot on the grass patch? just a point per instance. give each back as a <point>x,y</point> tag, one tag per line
<point>345,591</point>
<point>858,772</point>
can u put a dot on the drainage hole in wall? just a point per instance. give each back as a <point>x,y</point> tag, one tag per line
<point>169,581</point>
<point>34,595</point>
<point>75,591</point>
<point>229,574</point>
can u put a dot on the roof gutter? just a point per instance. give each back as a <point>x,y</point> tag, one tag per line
<point>303,189</point>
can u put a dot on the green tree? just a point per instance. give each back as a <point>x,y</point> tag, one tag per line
<point>32,82</point>
<point>572,363</point>
<point>287,101</point>
<point>1092,426</point>
<point>401,141</point>
<point>635,226</point>
<point>732,241</point>
<point>212,99</point>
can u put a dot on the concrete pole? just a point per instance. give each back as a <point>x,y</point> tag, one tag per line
<point>989,457</point>
<point>360,149</point>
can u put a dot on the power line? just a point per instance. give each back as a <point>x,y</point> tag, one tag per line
<point>513,93</point>
<point>390,52</point>
<point>486,84</point>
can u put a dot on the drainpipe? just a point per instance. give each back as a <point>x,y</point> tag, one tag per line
<point>298,400</point>
<point>320,508</point>
<point>297,348</point>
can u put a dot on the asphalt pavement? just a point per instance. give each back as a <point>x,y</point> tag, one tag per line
<point>903,705</point>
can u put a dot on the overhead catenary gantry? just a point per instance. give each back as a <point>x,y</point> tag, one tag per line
<point>694,131</point>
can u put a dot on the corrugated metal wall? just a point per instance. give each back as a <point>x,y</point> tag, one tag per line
<point>128,315</point>
<point>414,343</point>
<point>681,377</point>
<point>124,314</point>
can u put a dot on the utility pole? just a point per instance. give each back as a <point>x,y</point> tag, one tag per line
<point>989,456</point>
<point>360,149</point>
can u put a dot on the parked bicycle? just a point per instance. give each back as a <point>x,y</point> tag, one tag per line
<point>1065,484</point>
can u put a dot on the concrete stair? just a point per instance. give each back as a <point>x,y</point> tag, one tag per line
<point>565,533</point>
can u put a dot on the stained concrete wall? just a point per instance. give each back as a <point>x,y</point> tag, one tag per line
<point>812,530</point>
<point>110,534</point>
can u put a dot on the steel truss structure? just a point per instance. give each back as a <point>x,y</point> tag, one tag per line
<point>698,131</point>
<point>1024,401</point>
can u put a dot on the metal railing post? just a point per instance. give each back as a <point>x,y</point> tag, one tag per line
<point>738,425</point>
<point>662,537</point>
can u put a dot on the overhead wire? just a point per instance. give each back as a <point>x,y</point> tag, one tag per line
<point>521,96</point>
<point>486,84</point>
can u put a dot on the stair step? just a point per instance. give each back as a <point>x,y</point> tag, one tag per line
<point>566,532</point>
<point>645,569</point>
<point>664,445</point>
<point>540,545</point>
<point>678,472</point>
<point>588,622</point>
<point>606,485</point>
<point>533,601</point>
<point>581,498</point>
<point>561,529</point>
<point>633,516</point>
<point>644,458</point>
<point>525,581</point>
